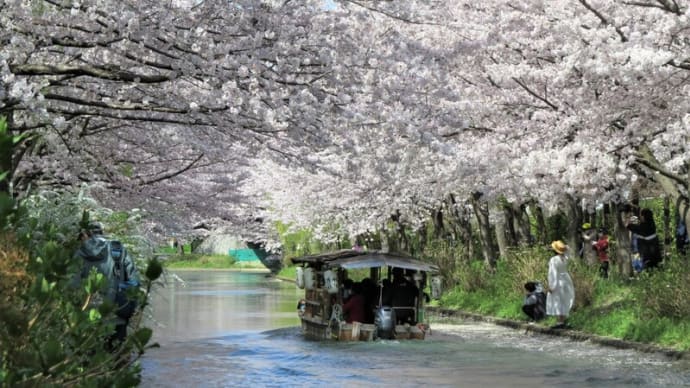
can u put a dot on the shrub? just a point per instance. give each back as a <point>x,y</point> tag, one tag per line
<point>446,255</point>
<point>14,282</point>
<point>527,264</point>
<point>50,335</point>
<point>585,278</point>
<point>665,291</point>
<point>472,276</point>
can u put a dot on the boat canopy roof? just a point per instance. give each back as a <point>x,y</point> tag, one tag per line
<point>352,259</point>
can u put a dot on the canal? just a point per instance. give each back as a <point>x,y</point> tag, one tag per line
<point>240,329</point>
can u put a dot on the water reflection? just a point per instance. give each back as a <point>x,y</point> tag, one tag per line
<point>214,303</point>
<point>227,329</point>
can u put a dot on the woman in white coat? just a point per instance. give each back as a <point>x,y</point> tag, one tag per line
<point>561,293</point>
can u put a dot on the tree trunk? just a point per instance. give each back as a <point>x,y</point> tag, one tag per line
<point>502,234</point>
<point>542,235</point>
<point>481,211</point>
<point>466,236</point>
<point>668,232</point>
<point>522,225</point>
<point>421,240</point>
<point>573,212</point>
<point>510,233</point>
<point>462,229</point>
<point>397,240</point>
<point>439,224</point>
<point>6,152</point>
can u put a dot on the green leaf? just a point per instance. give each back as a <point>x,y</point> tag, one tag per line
<point>129,380</point>
<point>18,138</point>
<point>6,208</point>
<point>52,349</point>
<point>142,336</point>
<point>94,315</point>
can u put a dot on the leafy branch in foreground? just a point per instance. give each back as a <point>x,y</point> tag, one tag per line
<point>53,330</point>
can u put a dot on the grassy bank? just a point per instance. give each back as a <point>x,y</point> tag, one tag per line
<point>195,261</point>
<point>288,273</point>
<point>651,308</point>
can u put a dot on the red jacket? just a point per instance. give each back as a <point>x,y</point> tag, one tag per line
<point>602,246</point>
<point>353,309</point>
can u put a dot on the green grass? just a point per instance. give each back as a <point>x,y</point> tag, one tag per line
<point>168,250</point>
<point>288,273</point>
<point>194,261</point>
<point>616,307</point>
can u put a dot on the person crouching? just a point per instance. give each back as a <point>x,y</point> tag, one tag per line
<point>535,301</point>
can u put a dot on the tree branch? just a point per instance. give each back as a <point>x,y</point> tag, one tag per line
<point>87,70</point>
<point>101,104</point>
<point>654,166</point>
<point>533,93</point>
<point>604,20</point>
<point>669,6</point>
<point>388,14</point>
<point>174,173</point>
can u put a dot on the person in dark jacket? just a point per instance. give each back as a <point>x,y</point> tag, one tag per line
<point>114,262</point>
<point>647,241</point>
<point>534,304</point>
<point>354,308</point>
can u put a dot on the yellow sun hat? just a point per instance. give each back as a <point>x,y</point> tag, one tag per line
<point>559,246</point>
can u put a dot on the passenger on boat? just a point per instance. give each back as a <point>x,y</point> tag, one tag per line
<point>370,299</point>
<point>301,307</point>
<point>386,293</point>
<point>354,308</point>
<point>405,294</point>
<point>347,289</point>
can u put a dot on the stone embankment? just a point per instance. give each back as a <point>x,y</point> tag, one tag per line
<point>456,316</point>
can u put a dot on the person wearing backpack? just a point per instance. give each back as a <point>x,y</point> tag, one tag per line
<point>534,304</point>
<point>110,258</point>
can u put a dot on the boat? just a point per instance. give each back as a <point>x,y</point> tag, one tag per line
<point>393,293</point>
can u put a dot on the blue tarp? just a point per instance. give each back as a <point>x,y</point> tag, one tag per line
<point>247,254</point>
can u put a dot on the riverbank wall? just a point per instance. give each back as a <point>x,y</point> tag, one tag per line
<point>439,314</point>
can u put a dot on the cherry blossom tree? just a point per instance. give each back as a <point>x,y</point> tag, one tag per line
<point>557,102</point>
<point>342,115</point>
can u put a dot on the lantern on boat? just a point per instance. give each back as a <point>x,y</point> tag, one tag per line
<point>300,277</point>
<point>436,287</point>
<point>331,281</point>
<point>309,281</point>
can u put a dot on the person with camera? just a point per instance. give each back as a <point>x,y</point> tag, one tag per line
<point>110,258</point>
<point>645,239</point>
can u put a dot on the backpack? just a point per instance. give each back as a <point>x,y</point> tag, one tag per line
<point>126,306</point>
